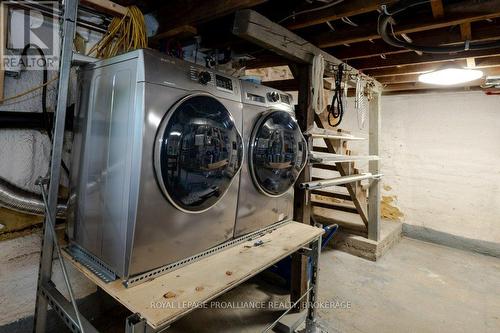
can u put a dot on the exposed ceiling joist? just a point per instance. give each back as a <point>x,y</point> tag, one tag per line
<point>254,27</point>
<point>406,78</point>
<point>493,61</point>
<point>482,33</point>
<point>344,9</point>
<point>412,58</point>
<point>175,13</point>
<point>457,13</point>
<point>437,8</point>
<point>420,85</point>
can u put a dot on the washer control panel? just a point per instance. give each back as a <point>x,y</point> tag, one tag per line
<point>207,77</point>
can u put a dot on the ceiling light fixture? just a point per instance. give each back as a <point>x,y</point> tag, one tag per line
<point>450,76</point>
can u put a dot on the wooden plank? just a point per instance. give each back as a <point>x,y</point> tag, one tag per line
<point>424,86</point>
<point>330,167</point>
<point>332,195</point>
<point>3,44</point>
<point>483,32</point>
<point>344,9</point>
<point>175,13</point>
<point>413,58</point>
<point>374,126</point>
<point>183,31</point>
<point>334,206</point>
<point>105,6</point>
<point>437,8</point>
<point>179,292</point>
<point>349,222</point>
<point>357,194</point>
<point>256,28</point>
<point>466,34</point>
<point>457,13</point>
<point>395,79</point>
<point>413,69</point>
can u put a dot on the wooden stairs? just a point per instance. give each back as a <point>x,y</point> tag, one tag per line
<point>345,205</point>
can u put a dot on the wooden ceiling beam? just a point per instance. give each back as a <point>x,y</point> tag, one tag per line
<point>413,58</point>
<point>457,13</point>
<point>175,13</point>
<point>344,9</point>
<point>482,33</point>
<point>406,78</point>
<point>485,62</point>
<point>420,85</point>
<point>437,8</point>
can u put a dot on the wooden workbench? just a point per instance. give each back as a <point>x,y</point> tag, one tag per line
<point>174,294</point>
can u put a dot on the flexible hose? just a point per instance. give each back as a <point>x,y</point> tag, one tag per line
<point>385,20</point>
<point>23,201</point>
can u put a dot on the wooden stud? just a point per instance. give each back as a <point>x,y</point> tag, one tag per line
<point>3,45</point>
<point>105,6</point>
<point>302,198</point>
<point>437,8</point>
<point>374,167</point>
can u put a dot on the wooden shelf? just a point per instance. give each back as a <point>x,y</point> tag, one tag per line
<point>180,291</point>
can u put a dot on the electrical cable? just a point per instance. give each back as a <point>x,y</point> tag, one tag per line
<point>318,70</point>
<point>124,34</point>
<point>336,109</point>
<point>385,19</point>
<point>310,10</point>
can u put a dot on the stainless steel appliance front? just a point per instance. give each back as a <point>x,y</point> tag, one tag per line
<point>157,154</point>
<point>276,153</point>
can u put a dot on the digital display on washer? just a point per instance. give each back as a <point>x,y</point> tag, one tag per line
<point>278,152</point>
<point>224,82</point>
<point>199,152</point>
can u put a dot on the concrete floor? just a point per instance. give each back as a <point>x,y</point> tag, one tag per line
<point>415,287</point>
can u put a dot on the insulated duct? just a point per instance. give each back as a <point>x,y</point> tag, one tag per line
<point>23,201</point>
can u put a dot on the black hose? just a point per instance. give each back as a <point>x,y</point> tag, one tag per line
<point>336,109</point>
<point>48,120</point>
<point>386,17</point>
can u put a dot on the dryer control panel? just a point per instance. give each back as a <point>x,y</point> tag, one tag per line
<point>207,77</point>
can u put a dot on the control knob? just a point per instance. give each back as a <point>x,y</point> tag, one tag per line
<point>273,96</point>
<point>204,77</point>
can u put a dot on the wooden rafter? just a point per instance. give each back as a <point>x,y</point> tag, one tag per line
<point>407,78</point>
<point>437,8</point>
<point>344,9</point>
<point>458,13</point>
<point>448,36</point>
<point>412,58</point>
<point>175,13</point>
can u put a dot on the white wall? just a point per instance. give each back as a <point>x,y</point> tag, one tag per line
<point>441,156</point>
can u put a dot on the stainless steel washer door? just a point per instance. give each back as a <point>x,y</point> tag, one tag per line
<point>278,153</point>
<point>198,153</point>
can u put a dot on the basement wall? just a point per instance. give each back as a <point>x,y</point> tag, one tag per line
<point>441,160</point>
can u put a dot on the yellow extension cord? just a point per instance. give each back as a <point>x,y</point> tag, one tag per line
<point>124,34</point>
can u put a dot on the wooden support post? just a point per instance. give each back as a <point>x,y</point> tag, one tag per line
<point>374,168</point>
<point>3,43</point>
<point>302,198</point>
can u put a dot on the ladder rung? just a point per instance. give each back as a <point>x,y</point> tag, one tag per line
<point>323,183</point>
<point>321,149</point>
<point>328,205</point>
<point>332,195</point>
<point>327,134</point>
<point>337,158</point>
<point>325,167</point>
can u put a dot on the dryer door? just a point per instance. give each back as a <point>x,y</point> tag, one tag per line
<point>278,152</point>
<point>198,153</point>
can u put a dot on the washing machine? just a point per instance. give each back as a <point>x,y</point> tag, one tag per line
<point>276,153</point>
<point>157,155</point>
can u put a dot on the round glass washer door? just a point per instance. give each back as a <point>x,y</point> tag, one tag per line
<point>198,153</point>
<point>278,153</point>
